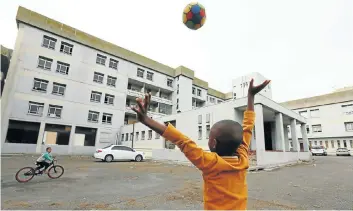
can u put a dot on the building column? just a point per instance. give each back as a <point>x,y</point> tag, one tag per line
<point>279,132</point>
<point>305,137</point>
<point>40,137</point>
<point>259,135</point>
<point>72,139</point>
<point>286,139</point>
<point>293,128</point>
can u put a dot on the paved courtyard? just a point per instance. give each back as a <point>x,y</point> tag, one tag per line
<point>87,184</point>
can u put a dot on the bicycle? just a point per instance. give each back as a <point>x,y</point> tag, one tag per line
<point>30,172</point>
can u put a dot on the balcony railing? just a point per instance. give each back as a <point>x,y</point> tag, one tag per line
<point>150,112</point>
<point>154,98</point>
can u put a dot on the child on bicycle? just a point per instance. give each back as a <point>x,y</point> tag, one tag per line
<point>224,168</point>
<point>45,160</point>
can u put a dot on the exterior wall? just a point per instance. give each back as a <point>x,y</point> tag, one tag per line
<point>241,85</point>
<point>185,93</point>
<point>331,117</point>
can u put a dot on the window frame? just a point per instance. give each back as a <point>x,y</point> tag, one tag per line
<point>169,82</point>
<point>97,76</point>
<point>95,93</point>
<point>348,126</point>
<point>39,105</point>
<point>316,131</point>
<point>60,64</point>
<point>68,45</point>
<point>199,131</point>
<point>139,71</point>
<point>101,59</point>
<point>149,135</point>
<point>149,74</point>
<point>46,60</point>
<point>59,86</point>
<point>113,64</point>
<point>41,82</point>
<point>55,107</point>
<point>50,40</point>
<point>92,113</point>
<point>111,79</point>
<point>105,118</point>
<point>109,96</point>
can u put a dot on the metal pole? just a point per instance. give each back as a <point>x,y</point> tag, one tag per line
<point>133,132</point>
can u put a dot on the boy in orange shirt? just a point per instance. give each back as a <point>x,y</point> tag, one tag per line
<point>224,168</point>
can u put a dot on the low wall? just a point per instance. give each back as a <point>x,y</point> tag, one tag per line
<point>18,148</point>
<point>278,158</point>
<point>169,154</point>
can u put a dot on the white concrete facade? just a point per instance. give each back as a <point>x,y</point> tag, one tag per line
<point>197,123</point>
<point>93,79</point>
<point>329,119</point>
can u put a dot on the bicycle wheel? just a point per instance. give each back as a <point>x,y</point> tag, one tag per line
<point>25,174</point>
<point>55,171</point>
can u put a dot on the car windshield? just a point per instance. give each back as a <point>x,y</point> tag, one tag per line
<point>107,146</point>
<point>317,147</point>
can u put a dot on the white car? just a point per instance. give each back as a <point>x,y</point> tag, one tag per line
<point>318,150</point>
<point>343,152</point>
<point>118,152</point>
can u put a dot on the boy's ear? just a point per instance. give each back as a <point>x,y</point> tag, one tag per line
<point>214,143</point>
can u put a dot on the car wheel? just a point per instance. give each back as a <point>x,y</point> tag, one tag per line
<point>108,158</point>
<point>138,158</point>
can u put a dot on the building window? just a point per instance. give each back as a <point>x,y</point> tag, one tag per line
<point>66,48</point>
<point>137,136</point>
<point>200,119</point>
<point>208,128</point>
<point>48,42</point>
<point>149,134</point>
<point>338,143</point>
<point>351,143</point>
<point>316,128</point>
<point>96,96</point>
<point>93,116</point>
<point>165,109</point>
<point>131,136</point>
<point>208,118</point>
<point>122,137</point>
<point>55,111</point>
<point>344,144</point>
<point>320,143</point>
<point>107,118</point>
<point>158,136</point>
<point>58,89</point>
<point>113,64</point>
<point>315,143</point>
<point>170,82</point>
<point>310,144</point>
<point>35,108</point>
<point>347,109</point>
<point>212,99</point>
<point>140,73</point>
<point>199,92</point>
<point>303,114</point>
<point>62,68</point>
<point>332,144</point>
<point>111,81</point>
<point>98,77</point>
<point>149,76</point>
<point>314,113</point>
<point>200,133</point>
<point>219,101</point>
<point>234,95</point>
<point>127,137</point>
<point>101,59</point>
<point>307,129</point>
<point>178,89</point>
<point>44,63</point>
<point>348,126</point>
<point>193,90</point>
<point>40,85</point>
<point>109,99</point>
<point>143,135</point>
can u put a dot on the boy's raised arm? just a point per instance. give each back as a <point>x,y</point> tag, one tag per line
<point>196,155</point>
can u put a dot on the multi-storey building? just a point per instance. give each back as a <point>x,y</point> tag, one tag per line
<point>73,91</point>
<point>329,118</point>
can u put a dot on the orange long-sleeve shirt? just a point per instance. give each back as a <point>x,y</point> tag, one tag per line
<point>225,186</point>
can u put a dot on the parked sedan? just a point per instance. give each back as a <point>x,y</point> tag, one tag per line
<point>343,152</point>
<point>318,150</point>
<point>118,152</point>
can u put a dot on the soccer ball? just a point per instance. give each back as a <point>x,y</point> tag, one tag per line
<point>194,16</point>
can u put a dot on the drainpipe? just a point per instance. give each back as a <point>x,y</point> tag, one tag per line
<point>133,132</point>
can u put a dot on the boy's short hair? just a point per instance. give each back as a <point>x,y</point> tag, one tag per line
<point>47,148</point>
<point>229,136</point>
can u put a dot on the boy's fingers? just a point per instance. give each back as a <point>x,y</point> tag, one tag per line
<point>138,100</point>
<point>135,109</point>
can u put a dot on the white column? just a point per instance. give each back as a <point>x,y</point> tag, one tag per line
<point>286,140</point>
<point>259,135</point>
<point>293,128</point>
<point>40,137</point>
<point>279,132</point>
<point>72,138</point>
<point>305,137</point>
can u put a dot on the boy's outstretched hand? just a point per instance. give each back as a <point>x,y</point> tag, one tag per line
<point>253,90</point>
<point>141,108</point>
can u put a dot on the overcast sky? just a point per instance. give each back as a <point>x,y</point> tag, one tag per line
<point>304,46</point>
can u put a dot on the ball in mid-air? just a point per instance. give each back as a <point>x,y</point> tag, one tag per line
<point>194,16</point>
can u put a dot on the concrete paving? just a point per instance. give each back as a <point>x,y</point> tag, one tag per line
<point>88,184</point>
